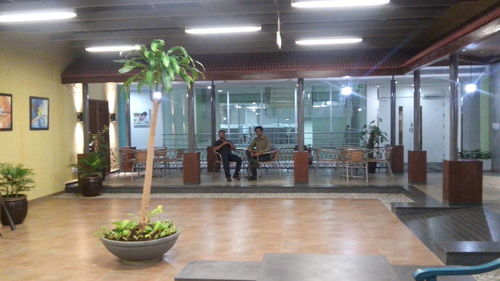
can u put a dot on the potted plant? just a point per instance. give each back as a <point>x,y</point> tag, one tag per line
<point>133,243</point>
<point>372,136</point>
<point>477,154</point>
<point>14,180</point>
<point>155,68</point>
<point>91,169</point>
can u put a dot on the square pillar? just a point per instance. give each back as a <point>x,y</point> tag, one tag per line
<point>191,164</point>
<point>417,167</point>
<point>301,167</point>
<point>397,159</point>
<point>211,159</point>
<point>463,182</point>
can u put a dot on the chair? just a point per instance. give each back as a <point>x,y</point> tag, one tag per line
<point>127,156</point>
<point>326,157</point>
<point>139,160</point>
<point>355,159</point>
<point>381,156</point>
<point>273,161</point>
<point>173,158</point>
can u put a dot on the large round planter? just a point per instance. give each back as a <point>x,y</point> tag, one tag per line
<point>18,209</point>
<point>142,251</point>
<point>91,186</point>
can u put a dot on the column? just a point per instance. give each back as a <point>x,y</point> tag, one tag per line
<point>85,110</point>
<point>417,159</point>
<point>397,153</point>
<point>462,180</point>
<point>212,166</point>
<point>191,160</point>
<point>300,157</point>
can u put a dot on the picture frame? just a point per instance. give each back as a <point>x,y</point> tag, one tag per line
<point>6,112</point>
<point>39,113</point>
<point>141,118</point>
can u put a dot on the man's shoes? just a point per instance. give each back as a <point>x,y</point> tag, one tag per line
<point>228,179</point>
<point>236,177</point>
<point>251,178</point>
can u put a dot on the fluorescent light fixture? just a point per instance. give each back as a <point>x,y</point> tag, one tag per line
<point>329,41</point>
<point>157,95</point>
<point>34,16</point>
<point>470,88</point>
<point>223,30</point>
<point>337,3</point>
<point>346,77</point>
<point>117,48</point>
<point>346,91</point>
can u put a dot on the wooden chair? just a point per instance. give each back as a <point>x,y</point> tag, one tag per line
<point>355,159</point>
<point>140,160</point>
<point>127,158</point>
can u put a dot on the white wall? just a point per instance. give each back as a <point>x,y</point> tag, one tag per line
<point>434,127</point>
<point>139,136</point>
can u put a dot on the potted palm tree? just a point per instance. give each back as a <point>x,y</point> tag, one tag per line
<point>155,68</point>
<point>91,170</point>
<point>14,181</point>
<point>372,136</point>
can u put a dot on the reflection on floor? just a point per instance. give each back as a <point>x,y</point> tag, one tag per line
<point>58,235</point>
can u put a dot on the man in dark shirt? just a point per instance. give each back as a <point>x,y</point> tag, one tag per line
<point>224,148</point>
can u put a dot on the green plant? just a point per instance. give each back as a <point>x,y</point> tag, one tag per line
<point>157,69</point>
<point>15,179</point>
<point>474,154</point>
<point>131,230</point>
<point>372,136</point>
<point>91,165</point>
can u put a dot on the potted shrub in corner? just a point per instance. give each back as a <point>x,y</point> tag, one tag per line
<point>91,168</point>
<point>372,136</point>
<point>156,69</point>
<point>14,180</point>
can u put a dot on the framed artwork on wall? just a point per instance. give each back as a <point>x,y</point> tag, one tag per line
<point>39,113</point>
<point>141,119</point>
<point>5,112</point>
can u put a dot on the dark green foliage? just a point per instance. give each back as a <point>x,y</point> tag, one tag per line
<point>91,165</point>
<point>131,230</point>
<point>372,136</point>
<point>15,179</point>
<point>474,154</point>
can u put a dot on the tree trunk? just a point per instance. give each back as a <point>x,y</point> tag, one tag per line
<point>148,177</point>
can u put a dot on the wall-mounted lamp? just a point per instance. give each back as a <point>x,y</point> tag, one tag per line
<point>112,117</point>
<point>79,116</point>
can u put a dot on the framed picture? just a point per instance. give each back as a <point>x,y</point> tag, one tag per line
<point>141,119</point>
<point>39,113</point>
<point>5,112</point>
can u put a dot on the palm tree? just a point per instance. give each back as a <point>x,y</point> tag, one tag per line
<point>157,69</point>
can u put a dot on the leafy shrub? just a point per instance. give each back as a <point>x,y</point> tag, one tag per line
<point>131,230</point>
<point>91,165</point>
<point>474,154</point>
<point>15,179</point>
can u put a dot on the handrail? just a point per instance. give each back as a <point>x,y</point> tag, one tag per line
<point>430,274</point>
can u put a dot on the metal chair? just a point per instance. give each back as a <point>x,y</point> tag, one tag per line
<point>273,162</point>
<point>381,156</point>
<point>355,159</point>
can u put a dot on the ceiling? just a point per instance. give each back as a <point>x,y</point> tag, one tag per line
<point>402,24</point>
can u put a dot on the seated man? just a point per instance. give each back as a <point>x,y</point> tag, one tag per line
<point>224,147</point>
<point>256,151</point>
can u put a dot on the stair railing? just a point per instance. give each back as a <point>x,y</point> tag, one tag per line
<point>431,274</point>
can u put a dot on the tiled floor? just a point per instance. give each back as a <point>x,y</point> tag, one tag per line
<point>57,240</point>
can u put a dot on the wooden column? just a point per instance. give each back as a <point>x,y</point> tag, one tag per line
<point>462,180</point>
<point>397,159</point>
<point>191,159</point>
<point>300,157</point>
<point>417,159</point>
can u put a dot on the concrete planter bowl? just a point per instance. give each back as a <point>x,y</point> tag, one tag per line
<point>141,252</point>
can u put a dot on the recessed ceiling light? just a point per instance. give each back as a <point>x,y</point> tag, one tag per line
<point>34,16</point>
<point>223,30</point>
<point>117,48</point>
<point>337,3</point>
<point>329,41</point>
